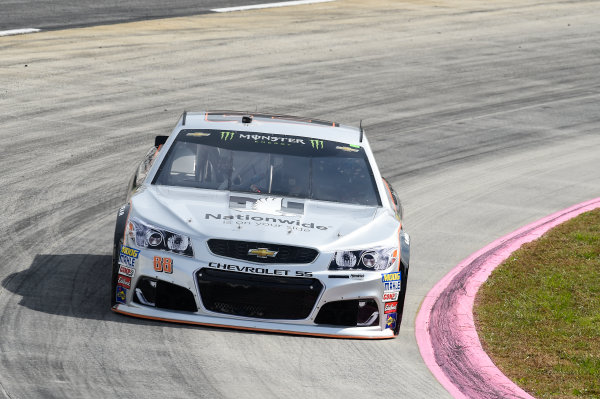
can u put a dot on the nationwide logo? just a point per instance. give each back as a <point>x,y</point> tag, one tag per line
<point>390,307</point>
<point>390,296</point>
<point>227,136</point>
<point>259,220</point>
<point>396,276</point>
<point>262,253</point>
<point>316,144</point>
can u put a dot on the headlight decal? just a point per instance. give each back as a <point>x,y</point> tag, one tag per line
<point>370,259</point>
<point>147,236</point>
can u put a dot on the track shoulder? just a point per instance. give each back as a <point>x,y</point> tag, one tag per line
<point>445,329</point>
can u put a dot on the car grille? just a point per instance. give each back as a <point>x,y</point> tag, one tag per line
<point>239,250</point>
<point>265,297</point>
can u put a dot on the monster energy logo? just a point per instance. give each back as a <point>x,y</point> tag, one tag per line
<point>317,144</point>
<point>227,135</point>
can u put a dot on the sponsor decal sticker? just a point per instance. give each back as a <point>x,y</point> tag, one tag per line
<point>121,294</point>
<point>268,139</point>
<point>227,136</point>
<point>395,276</point>
<point>258,270</point>
<point>390,307</point>
<point>199,134</point>
<point>316,144</point>
<point>347,149</point>
<point>124,281</point>
<point>126,271</point>
<point>390,320</point>
<point>134,253</point>
<point>260,221</point>
<point>393,285</point>
<point>358,276</point>
<point>163,264</point>
<point>390,296</point>
<point>128,256</point>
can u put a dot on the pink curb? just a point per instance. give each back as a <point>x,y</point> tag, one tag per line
<point>445,330</point>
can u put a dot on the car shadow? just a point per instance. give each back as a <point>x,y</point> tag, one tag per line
<point>76,285</point>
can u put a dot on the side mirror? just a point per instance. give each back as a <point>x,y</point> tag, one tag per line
<point>160,140</point>
<point>395,200</point>
<point>142,171</point>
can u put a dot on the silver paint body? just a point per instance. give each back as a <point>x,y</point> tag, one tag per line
<point>343,227</point>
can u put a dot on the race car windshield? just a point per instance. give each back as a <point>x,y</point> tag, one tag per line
<point>270,164</point>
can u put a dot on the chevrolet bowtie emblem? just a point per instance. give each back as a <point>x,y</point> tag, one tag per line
<point>262,252</point>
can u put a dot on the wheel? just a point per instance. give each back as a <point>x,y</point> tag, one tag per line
<point>400,308</point>
<point>117,244</point>
<point>115,271</point>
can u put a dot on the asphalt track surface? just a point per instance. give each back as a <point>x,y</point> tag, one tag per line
<point>61,14</point>
<point>484,115</point>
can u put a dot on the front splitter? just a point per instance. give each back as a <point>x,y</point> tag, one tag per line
<point>253,325</point>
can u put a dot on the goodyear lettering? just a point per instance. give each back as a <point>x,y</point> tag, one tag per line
<point>227,136</point>
<point>396,276</point>
<point>316,144</point>
<point>390,296</point>
<point>257,270</point>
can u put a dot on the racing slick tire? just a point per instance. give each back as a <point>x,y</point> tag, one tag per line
<point>117,244</point>
<point>400,311</point>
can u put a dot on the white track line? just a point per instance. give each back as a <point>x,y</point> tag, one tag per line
<point>269,5</point>
<point>18,31</point>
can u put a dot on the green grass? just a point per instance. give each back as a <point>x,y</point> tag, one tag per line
<point>538,315</point>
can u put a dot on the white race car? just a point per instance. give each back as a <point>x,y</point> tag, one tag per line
<point>262,222</point>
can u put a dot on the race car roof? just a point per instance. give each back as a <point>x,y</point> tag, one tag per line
<point>269,123</point>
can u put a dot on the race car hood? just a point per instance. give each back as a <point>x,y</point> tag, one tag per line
<point>260,218</point>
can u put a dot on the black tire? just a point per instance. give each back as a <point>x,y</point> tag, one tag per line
<point>400,308</point>
<point>115,271</point>
<point>117,244</point>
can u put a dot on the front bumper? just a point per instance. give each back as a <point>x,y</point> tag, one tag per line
<point>252,325</point>
<point>243,295</point>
